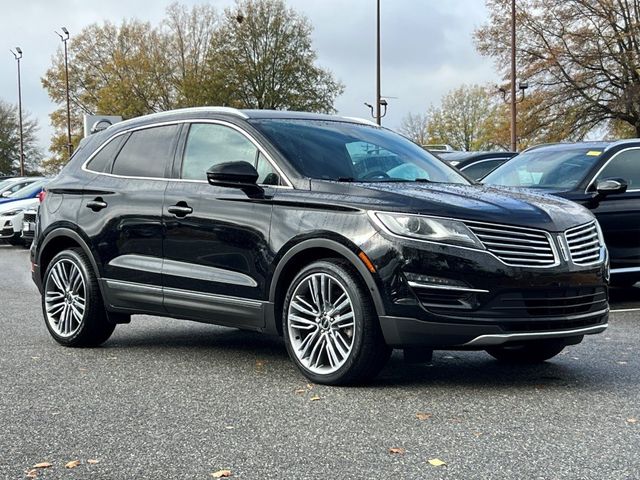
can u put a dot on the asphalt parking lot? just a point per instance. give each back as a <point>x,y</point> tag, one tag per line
<point>168,399</point>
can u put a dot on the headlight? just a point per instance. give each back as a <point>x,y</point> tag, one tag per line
<point>11,213</point>
<point>429,228</point>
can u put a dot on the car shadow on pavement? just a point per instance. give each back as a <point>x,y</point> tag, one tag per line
<point>477,370</point>
<point>449,369</point>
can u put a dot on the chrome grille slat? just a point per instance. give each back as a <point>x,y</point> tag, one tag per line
<point>494,230</point>
<point>516,253</point>
<point>584,244</point>
<point>507,245</point>
<point>516,246</point>
<point>510,240</point>
<point>581,232</point>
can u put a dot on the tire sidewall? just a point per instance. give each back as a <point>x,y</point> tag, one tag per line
<point>85,272</point>
<point>338,272</point>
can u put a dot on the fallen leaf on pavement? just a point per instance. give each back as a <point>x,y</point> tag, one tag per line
<point>632,420</point>
<point>309,386</point>
<point>423,416</point>
<point>42,465</point>
<point>622,363</point>
<point>221,474</point>
<point>436,462</point>
<point>300,391</point>
<point>92,461</point>
<point>33,473</point>
<point>399,451</point>
<point>72,464</point>
<point>314,398</point>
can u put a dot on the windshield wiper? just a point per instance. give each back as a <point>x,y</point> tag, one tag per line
<point>345,179</point>
<point>423,180</point>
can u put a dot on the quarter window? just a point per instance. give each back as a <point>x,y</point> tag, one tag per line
<point>104,158</point>
<point>209,144</point>
<point>147,153</point>
<point>625,165</point>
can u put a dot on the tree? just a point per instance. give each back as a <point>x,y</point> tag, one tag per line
<point>414,126</point>
<point>262,58</point>
<point>190,36</point>
<point>191,58</point>
<point>10,141</point>
<point>465,119</point>
<point>581,56</point>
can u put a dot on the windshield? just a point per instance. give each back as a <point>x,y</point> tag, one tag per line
<point>330,150</point>
<point>560,169</point>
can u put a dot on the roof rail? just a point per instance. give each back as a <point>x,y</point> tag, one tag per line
<point>363,121</point>
<point>229,110</point>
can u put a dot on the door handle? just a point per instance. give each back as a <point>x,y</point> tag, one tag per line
<point>181,209</point>
<point>97,204</point>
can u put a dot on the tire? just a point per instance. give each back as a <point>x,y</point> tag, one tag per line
<point>72,304</point>
<point>343,346</point>
<point>530,352</point>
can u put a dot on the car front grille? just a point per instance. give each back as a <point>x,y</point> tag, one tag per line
<point>584,244</point>
<point>516,246</point>
<point>29,217</point>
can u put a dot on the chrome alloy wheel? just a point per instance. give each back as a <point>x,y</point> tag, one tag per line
<point>321,323</point>
<point>65,298</point>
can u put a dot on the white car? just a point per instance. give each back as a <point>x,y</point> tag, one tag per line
<point>11,215</point>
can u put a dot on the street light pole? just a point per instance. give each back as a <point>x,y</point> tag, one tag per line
<point>514,136</point>
<point>378,95</point>
<point>65,38</point>
<point>18,55</point>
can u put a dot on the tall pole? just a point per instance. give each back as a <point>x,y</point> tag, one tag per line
<point>514,136</point>
<point>64,39</point>
<point>378,96</point>
<point>18,55</point>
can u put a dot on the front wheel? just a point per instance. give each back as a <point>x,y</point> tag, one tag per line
<point>536,351</point>
<point>331,329</point>
<point>71,302</point>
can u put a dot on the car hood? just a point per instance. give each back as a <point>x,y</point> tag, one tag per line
<point>485,203</point>
<point>19,203</point>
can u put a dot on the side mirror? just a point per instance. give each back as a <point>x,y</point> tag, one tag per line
<point>610,186</point>
<point>6,194</point>
<point>241,175</point>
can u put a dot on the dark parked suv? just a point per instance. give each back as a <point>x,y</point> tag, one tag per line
<point>343,237</point>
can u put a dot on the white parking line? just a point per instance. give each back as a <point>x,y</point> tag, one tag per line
<point>625,310</point>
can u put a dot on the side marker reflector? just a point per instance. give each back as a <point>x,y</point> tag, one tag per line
<point>363,256</point>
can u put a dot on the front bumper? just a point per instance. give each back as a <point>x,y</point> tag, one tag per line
<point>479,301</point>
<point>402,332</point>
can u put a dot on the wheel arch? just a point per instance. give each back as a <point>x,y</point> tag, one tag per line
<point>59,240</point>
<point>302,254</point>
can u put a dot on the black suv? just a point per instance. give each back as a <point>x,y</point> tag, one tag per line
<point>344,237</point>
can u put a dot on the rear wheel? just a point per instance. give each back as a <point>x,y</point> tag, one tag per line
<point>72,304</point>
<point>331,329</point>
<point>530,352</point>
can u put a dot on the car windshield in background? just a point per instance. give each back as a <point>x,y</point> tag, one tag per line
<point>560,169</point>
<point>341,151</point>
<point>29,189</point>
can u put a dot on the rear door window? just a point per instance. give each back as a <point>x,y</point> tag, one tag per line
<point>148,152</point>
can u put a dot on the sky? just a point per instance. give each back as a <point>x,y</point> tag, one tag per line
<point>427,47</point>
